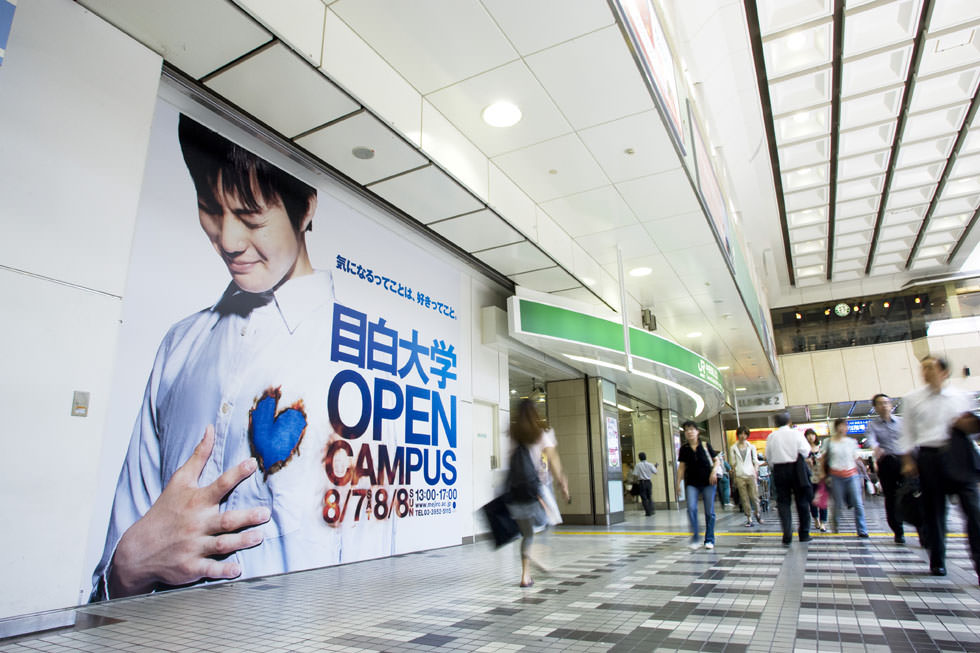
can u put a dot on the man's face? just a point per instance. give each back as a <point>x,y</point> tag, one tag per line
<point>742,436</point>
<point>883,406</point>
<point>932,374</point>
<point>259,247</point>
<point>691,433</point>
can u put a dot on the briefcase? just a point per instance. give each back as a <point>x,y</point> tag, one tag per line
<point>909,499</point>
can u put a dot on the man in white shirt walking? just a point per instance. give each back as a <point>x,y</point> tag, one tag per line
<point>884,435</point>
<point>643,473</point>
<point>786,451</point>
<point>930,414</point>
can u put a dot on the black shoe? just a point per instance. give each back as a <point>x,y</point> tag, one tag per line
<point>787,542</point>
<point>805,538</point>
<point>937,571</point>
<point>899,539</point>
<point>863,536</point>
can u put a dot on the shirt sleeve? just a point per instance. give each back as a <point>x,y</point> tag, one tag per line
<point>139,483</point>
<point>802,446</point>
<point>906,440</point>
<point>872,438</point>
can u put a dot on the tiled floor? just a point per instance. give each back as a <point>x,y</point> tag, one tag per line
<point>633,587</point>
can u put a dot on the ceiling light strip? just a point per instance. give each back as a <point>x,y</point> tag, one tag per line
<point>917,51</point>
<point>960,139</point>
<point>755,37</point>
<point>837,53</point>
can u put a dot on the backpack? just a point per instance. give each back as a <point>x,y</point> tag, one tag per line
<point>522,479</point>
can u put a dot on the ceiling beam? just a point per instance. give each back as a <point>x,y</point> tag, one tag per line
<point>966,232</point>
<point>836,74</point>
<point>917,50</point>
<point>758,55</point>
<point>947,171</point>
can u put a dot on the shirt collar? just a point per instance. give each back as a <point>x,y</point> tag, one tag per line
<point>295,300</point>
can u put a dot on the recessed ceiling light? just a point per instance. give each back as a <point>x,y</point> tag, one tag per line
<point>796,41</point>
<point>739,389</point>
<point>588,281</point>
<point>694,334</point>
<point>502,114</point>
<point>640,272</point>
<point>724,367</point>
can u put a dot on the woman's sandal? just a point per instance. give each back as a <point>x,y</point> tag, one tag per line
<point>528,584</point>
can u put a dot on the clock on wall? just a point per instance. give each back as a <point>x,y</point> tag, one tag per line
<point>842,309</point>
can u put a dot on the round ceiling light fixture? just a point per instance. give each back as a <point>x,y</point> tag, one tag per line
<point>640,272</point>
<point>362,152</point>
<point>502,114</point>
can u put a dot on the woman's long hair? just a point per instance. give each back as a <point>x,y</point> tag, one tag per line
<point>527,427</point>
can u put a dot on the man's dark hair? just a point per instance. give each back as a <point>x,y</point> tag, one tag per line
<point>874,400</point>
<point>690,423</point>
<point>209,155</point>
<point>742,429</point>
<point>643,456</point>
<point>781,419</point>
<point>838,422</point>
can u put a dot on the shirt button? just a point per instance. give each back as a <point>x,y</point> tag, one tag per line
<point>244,330</point>
<point>225,407</point>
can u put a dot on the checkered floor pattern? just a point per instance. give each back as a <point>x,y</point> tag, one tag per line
<point>632,587</point>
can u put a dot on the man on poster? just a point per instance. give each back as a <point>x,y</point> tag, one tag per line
<point>244,373</point>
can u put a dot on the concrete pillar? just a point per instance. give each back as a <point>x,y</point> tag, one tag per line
<point>580,419</point>
<point>568,412</point>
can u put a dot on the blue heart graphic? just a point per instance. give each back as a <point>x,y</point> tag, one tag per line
<point>275,438</point>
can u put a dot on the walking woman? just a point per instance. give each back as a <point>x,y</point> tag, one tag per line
<point>815,462</point>
<point>532,443</point>
<point>745,460</point>
<point>698,464</point>
<point>845,481</point>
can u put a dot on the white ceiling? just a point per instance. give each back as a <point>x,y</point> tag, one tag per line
<point>591,167</point>
<point>915,223</point>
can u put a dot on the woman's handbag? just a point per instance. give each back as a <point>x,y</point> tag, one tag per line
<point>821,496</point>
<point>501,524</point>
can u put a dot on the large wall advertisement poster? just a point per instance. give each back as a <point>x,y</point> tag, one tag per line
<point>710,189</point>
<point>648,34</point>
<point>302,407</point>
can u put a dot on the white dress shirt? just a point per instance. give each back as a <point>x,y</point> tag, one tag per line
<point>644,471</point>
<point>784,444</point>
<point>212,368</point>
<point>928,415</point>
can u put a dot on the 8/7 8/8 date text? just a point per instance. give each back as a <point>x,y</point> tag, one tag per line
<point>378,502</point>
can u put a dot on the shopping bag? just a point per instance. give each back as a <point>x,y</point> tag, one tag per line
<point>821,496</point>
<point>636,489</point>
<point>502,525</point>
